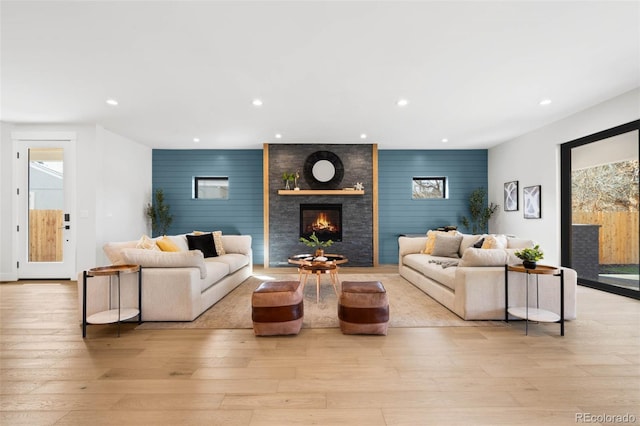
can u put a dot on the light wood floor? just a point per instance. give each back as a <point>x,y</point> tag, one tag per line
<point>413,376</point>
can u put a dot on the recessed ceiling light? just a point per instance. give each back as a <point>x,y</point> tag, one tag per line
<point>402,102</point>
<point>111,102</point>
<point>278,136</point>
<point>196,140</point>
<point>257,102</point>
<point>545,102</point>
<point>363,136</point>
<point>445,140</point>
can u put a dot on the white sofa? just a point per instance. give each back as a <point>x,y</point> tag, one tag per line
<point>176,286</point>
<point>474,289</point>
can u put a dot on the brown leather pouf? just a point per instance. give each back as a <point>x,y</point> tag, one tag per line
<point>363,308</point>
<point>276,308</point>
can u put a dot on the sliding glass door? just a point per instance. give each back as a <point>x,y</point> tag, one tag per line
<point>600,195</point>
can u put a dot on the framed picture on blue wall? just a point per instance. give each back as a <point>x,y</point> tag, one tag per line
<point>511,196</point>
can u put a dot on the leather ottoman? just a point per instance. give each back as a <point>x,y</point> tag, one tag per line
<point>363,308</point>
<point>277,308</point>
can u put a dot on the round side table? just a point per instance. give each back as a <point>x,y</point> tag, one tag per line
<point>119,313</point>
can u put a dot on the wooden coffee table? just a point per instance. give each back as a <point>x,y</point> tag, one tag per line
<point>309,264</point>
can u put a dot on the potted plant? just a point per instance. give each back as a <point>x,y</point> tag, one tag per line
<point>159,214</point>
<point>480,212</point>
<point>314,242</point>
<point>530,256</point>
<point>288,177</point>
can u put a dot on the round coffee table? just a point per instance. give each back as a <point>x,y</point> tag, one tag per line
<point>309,264</point>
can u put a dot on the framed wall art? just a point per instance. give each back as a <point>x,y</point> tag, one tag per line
<point>511,196</point>
<point>531,198</point>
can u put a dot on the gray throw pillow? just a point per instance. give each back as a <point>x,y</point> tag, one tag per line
<point>446,246</point>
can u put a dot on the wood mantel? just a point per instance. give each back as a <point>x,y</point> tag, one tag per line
<point>320,192</point>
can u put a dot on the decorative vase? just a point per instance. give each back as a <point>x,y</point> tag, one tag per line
<point>286,185</point>
<point>319,252</point>
<point>529,264</point>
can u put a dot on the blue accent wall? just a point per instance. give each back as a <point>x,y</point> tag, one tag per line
<point>398,213</point>
<point>242,213</point>
<point>173,171</point>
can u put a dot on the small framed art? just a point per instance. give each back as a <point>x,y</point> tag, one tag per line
<point>531,198</point>
<point>511,196</point>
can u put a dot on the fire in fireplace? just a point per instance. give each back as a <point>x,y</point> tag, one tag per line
<point>323,219</point>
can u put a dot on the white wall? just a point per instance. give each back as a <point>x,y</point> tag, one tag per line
<point>534,159</point>
<point>125,190</point>
<point>113,185</point>
<point>7,259</point>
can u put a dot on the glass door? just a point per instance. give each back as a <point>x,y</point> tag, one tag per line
<point>600,196</point>
<point>45,241</point>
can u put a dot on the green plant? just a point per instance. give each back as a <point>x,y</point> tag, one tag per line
<point>313,241</point>
<point>530,254</point>
<point>288,177</point>
<point>480,212</point>
<point>159,214</point>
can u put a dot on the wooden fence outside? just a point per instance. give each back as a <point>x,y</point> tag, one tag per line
<point>618,236</point>
<point>45,235</point>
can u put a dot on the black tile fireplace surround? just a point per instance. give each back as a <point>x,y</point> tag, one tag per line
<point>357,210</point>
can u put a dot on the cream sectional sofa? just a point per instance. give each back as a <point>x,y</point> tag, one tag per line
<point>470,281</point>
<point>176,286</point>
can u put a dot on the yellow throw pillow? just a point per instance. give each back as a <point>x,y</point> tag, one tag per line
<point>166,244</point>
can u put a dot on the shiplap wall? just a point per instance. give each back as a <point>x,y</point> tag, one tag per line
<point>173,171</point>
<point>465,171</point>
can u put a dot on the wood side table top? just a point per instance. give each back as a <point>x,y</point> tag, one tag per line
<point>539,269</point>
<point>112,270</point>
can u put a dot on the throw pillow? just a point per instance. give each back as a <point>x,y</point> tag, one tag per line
<point>495,242</point>
<point>479,243</point>
<point>447,246</point>
<point>217,240</point>
<point>147,243</point>
<point>431,239</point>
<point>204,243</point>
<point>166,244</point>
<point>483,257</point>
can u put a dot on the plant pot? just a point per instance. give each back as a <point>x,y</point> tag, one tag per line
<point>528,264</point>
<point>319,252</point>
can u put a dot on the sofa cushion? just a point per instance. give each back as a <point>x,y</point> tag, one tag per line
<point>165,259</point>
<point>446,245</point>
<point>422,263</point>
<point>519,243</point>
<point>204,243</point>
<point>483,257</point>
<point>215,272</point>
<point>114,251</point>
<point>233,260</point>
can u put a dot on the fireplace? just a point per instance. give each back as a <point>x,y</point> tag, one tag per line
<point>323,219</point>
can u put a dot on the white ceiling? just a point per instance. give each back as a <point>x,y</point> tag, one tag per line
<point>327,71</point>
